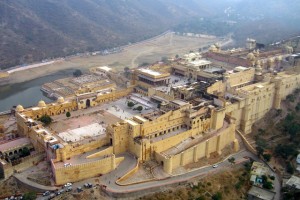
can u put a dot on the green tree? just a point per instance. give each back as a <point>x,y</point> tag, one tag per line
<point>267,157</point>
<point>68,114</point>
<point>46,119</point>
<point>139,108</point>
<point>29,196</point>
<point>286,151</point>
<point>77,73</point>
<point>259,150</point>
<point>290,97</point>
<point>297,108</point>
<point>231,160</point>
<point>25,152</point>
<point>130,104</point>
<point>268,185</point>
<point>289,168</point>
<point>177,56</point>
<point>217,196</point>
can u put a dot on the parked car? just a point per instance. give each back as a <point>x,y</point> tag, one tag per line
<point>68,189</point>
<point>79,189</point>
<point>47,193</point>
<point>68,184</point>
<point>88,185</point>
<point>52,195</point>
<point>215,166</point>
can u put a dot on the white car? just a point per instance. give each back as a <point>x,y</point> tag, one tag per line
<point>215,166</point>
<point>68,184</point>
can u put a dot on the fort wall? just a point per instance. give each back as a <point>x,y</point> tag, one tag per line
<point>83,171</point>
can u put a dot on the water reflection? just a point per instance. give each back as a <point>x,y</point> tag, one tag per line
<point>27,93</point>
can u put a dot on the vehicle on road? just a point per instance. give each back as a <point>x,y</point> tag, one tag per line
<point>79,189</point>
<point>68,185</point>
<point>46,193</point>
<point>88,185</point>
<point>215,166</point>
<point>68,189</point>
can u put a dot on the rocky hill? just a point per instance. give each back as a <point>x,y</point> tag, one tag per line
<point>33,30</point>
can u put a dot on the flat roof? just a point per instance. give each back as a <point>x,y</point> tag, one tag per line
<point>200,62</point>
<point>81,133</point>
<point>294,181</point>
<point>14,144</point>
<point>180,102</point>
<point>105,68</point>
<point>150,71</point>
<point>214,69</point>
<point>131,122</point>
<point>261,193</point>
<point>240,68</point>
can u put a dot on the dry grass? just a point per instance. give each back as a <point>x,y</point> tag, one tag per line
<point>223,182</point>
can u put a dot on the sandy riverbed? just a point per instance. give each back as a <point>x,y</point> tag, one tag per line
<point>149,51</point>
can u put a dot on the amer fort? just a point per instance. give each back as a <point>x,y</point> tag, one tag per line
<point>172,113</point>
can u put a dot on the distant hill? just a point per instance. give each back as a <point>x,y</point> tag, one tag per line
<point>33,30</point>
<point>38,29</point>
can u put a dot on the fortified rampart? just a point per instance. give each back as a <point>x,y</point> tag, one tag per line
<point>198,151</point>
<point>83,171</point>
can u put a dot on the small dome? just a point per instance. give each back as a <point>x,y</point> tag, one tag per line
<point>213,48</point>
<point>258,63</point>
<point>163,103</point>
<point>19,108</point>
<point>60,100</point>
<point>270,60</point>
<point>250,56</point>
<point>226,75</point>
<point>41,103</point>
<point>278,58</point>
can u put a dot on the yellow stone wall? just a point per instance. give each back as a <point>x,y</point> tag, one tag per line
<point>70,150</point>
<point>217,88</point>
<point>240,78</point>
<point>154,92</point>
<point>83,171</point>
<point>104,152</point>
<point>201,150</point>
<point>51,109</point>
<point>257,101</point>
<point>99,99</point>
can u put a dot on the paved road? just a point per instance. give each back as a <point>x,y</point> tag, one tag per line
<point>109,180</point>
<point>204,171</point>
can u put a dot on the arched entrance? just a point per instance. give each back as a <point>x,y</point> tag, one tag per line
<point>88,103</point>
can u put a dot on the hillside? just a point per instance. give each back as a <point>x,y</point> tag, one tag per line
<point>32,30</point>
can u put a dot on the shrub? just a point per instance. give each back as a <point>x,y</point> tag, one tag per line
<point>267,157</point>
<point>130,104</point>
<point>139,108</point>
<point>29,196</point>
<point>268,185</point>
<point>77,73</point>
<point>46,119</point>
<point>289,168</point>
<point>217,196</point>
<point>68,114</point>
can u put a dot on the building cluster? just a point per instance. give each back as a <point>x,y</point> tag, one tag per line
<point>68,87</point>
<point>199,106</point>
<point>262,181</point>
